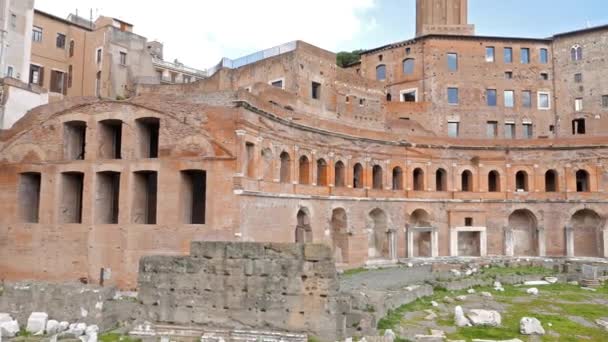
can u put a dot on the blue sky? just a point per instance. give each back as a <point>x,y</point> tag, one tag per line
<point>199,33</point>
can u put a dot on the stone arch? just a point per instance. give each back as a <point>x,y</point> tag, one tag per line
<point>586,225</point>
<point>551,183</point>
<point>339,235</point>
<point>358,176</point>
<point>304,170</point>
<point>441,180</point>
<point>523,225</point>
<point>493,181</point>
<point>397,178</point>
<point>466,181</point>
<point>422,239</point>
<point>285,172</point>
<point>303,228</point>
<point>418,176</point>
<point>379,244</point>
<point>582,181</point>
<point>267,158</point>
<point>322,172</point>
<point>340,174</point>
<point>521,181</point>
<point>377,176</point>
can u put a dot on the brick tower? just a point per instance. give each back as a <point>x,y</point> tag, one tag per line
<point>442,17</point>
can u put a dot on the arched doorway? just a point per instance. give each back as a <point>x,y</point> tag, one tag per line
<point>466,181</point>
<point>377,177</point>
<point>524,229</point>
<point>582,181</point>
<point>551,181</point>
<point>586,227</point>
<point>420,232</point>
<point>339,235</point>
<point>379,235</point>
<point>521,181</point>
<point>340,175</point>
<point>285,167</point>
<point>493,181</point>
<point>303,229</point>
<point>441,180</point>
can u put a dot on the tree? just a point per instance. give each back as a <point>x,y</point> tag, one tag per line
<point>345,58</point>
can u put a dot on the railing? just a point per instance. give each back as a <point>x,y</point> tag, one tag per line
<point>252,58</point>
<point>181,68</point>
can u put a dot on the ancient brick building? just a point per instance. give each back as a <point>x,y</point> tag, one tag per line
<point>443,145</point>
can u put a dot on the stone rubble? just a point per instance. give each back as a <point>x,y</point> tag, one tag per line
<point>480,317</point>
<point>9,328</point>
<point>459,318</point>
<point>532,291</point>
<point>461,298</point>
<point>486,294</point>
<point>551,280</point>
<point>36,323</point>
<point>602,323</point>
<point>471,291</point>
<point>536,283</point>
<point>431,315</point>
<point>531,326</point>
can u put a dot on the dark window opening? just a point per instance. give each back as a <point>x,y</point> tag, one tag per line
<point>321,172</point>
<point>304,170</point>
<point>358,176</point>
<point>578,126</point>
<point>418,180</point>
<point>409,96</point>
<point>493,181</point>
<point>551,181</point>
<point>468,222</point>
<point>70,206</point>
<point>36,75</point>
<point>285,176</point>
<point>578,78</point>
<point>381,72</point>
<point>377,177</point>
<point>582,181</point>
<point>71,48</point>
<point>194,192</point>
<point>107,197</point>
<point>397,178</point>
<point>58,82</point>
<point>389,97</point>
<point>144,197</point>
<point>29,197</point>
<point>316,90</point>
<point>340,175</point>
<point>148,134</point>
<point>110,139</point>
<point>521,181</point>
<point>249,160</point>
<point>441,180</point>
<point>60,42</point>
<point>74,140</point>
<point>467,181</point>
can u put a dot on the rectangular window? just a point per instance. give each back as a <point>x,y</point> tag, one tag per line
<point>509,130</point>
<point>194,190</point>
<point>110,139</point>
<point>148,137</point>
<point>37,34</point>
<point>277,83</point>
<point>578,78</point>
<point>316,90</point>
<point>508,75</point>
<point>578,126</point>
<point>492,129</point>
<point>544,56</point>
<point>107,195</point>
<point>74,140</point>
<point>453,96</point>
<point>60,41</point>
<point>490,54</point>
<point>544,76</point>
<point>144,197</point>
<point>525,55</point>
<point>453,129</point>
<point>605,101</point>
<point>527,131</point>
<point>468,222</point>
<point>70,205</point>
<point>249,162</point>
<point>526,98</point>
<point>509,99</point>
<point>508,55</point>
<point>491,97</point>
<point>544,102</point>
<point>58,82</point>
<point>123,58</point>
<point>36,75</point>
<point>578,104</point>
<point>29,197</point>
<point>452,61</point>
<point>70,76</point>
<point>188,79</point>
<point>9,71</point>
<point>98,55</point>
<point>13,20</point>
<point>408,96</point>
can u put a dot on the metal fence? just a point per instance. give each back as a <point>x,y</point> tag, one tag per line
<point>252,58</point>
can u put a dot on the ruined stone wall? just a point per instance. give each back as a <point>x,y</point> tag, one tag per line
<point>284,287</point>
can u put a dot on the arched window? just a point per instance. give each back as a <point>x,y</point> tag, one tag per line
<point>358,176</point>
<point>493,181</point>
<point>397,178</point>
<point>285,167</point>
<point>521,181</point>
<point>466,181</point>
<point>389,97</point>
<point>381,72</point>
<point>408,66</point>
<point>71,48</point>
<point>576,52</point>
<point>582,181</point>
<point>303,228</point>
<point>551,181</point>
<point>304,168</point>
<point>377,177</point>
<point>339,172</point>
<point>321,172</point>
<point>418,180</point>
<point>441,180</point>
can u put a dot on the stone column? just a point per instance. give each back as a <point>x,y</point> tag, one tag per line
<point>569,241</point>
<point>313,168</point>
<point>435,242</point>
<point>388,176</point>
<point>410,241</point>
<point>348,173</point>
<point>240,152</point>
<point>542,250</point>
<point>331,170</point>
<point>453,242</point>
<point>483,243</point>
<point>295,169</point>
<point>605,238</point>
<point>392,241</point>
<point>509,248</point>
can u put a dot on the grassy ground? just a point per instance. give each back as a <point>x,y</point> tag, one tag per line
<point>556,304</point>
<point>115,337</point>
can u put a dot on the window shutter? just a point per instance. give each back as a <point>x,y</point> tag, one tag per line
<point>41,77</point>
<point>65,84</point>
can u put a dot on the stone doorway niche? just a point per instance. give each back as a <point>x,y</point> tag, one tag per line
<point>422,237</point>
<point>468,241</point>
<point>339,235</point>
<point>381,238</point>
<point>303,229</point>
<point>522,235</point>
<point>586,235</point>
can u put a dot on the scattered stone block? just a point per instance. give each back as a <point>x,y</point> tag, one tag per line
<point>77,329</point>
<point>461,298</point>
<point>52,327</point>
<point>431,315</point>
<point>471,291</point>
<point>497,284</point>
<point>533,291</point>
<point>602,323</point>
<point>551,280</point>
<point>513,340</point>
<point>63,326</point>
<point>459,318</point>
<point>9,328</point>
<point>4,317</point>
<point>531,326</point>
<point>480,317</point>
<point>536,283</point>
<point>390,335</point>
<point>448,299</point>
<point>36,323</point>
<point>456,273</point>
<point>434,303</point>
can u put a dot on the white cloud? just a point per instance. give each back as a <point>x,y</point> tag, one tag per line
<point>199,33</point>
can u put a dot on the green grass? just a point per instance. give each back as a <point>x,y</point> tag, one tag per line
<point>527,270</point>
<point>354,271</point>
<point>116,337</point>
